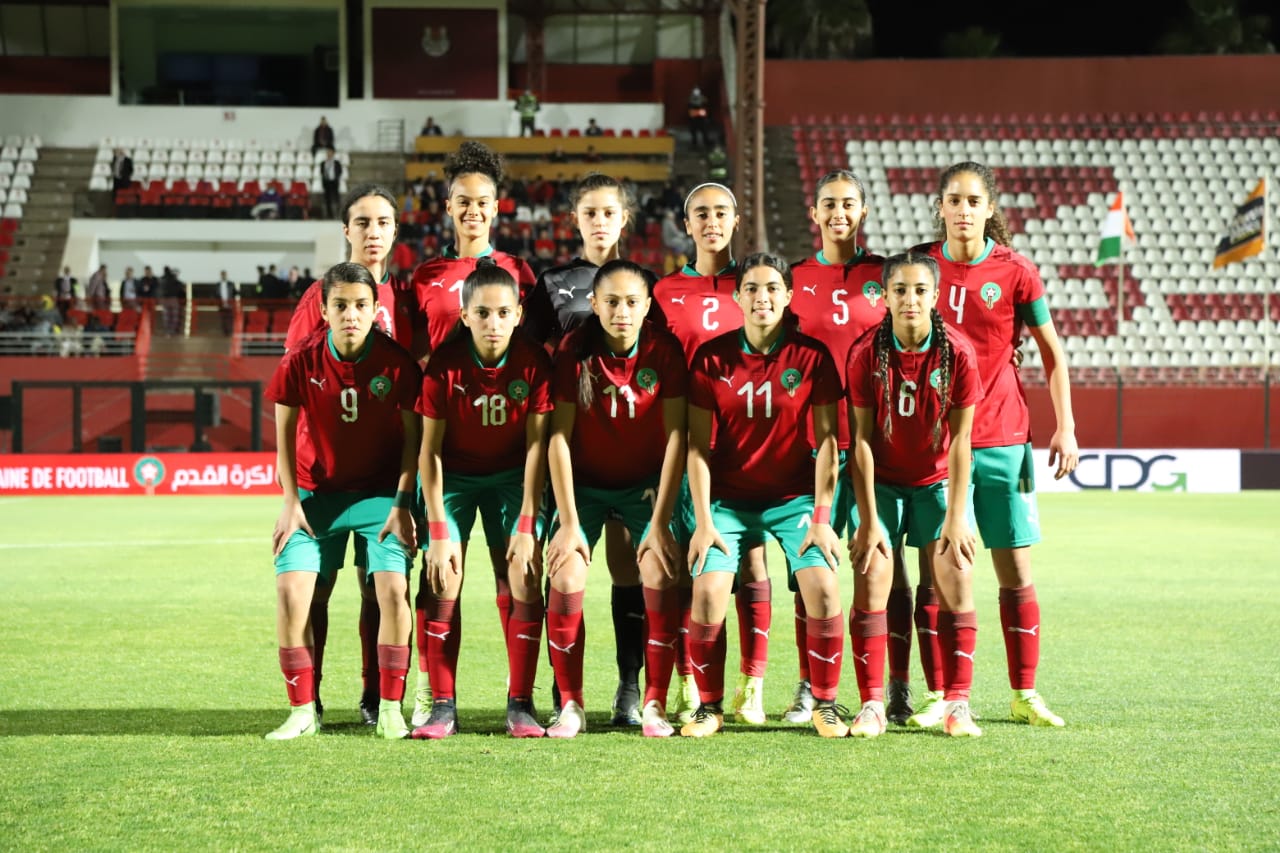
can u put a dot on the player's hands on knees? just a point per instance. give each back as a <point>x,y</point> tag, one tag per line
<point>823,537</point>
<point>866,542</point>
<point>290,520</point>
<point>1064,453</point>
<point>442,560</point>
<point>400,525</point>
<point>659,542</point>
<point>959,538</point>
<point>566,542</point>
<point>704,539</point>
<point>520,554</point>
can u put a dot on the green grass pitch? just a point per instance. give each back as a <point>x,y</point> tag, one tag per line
<point>138,674</point>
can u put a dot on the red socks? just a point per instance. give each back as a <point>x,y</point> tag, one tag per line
<point>393,666</point>
<point>869,632</point>
<point>899,627</point>
<point>524,637</point>
<point>439,638</point>
<point>566,634</point>
<point>1020,619</point>
<point>662,616</point>
<point>755,613</point>
<point>299,674</point>
<point>927,633</point>
<point>825,638</point>
<point>706,654</point>
<point>959,635</point>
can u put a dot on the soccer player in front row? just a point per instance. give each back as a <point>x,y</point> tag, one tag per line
<point>913,385</point>
<point>617,449</point>
<point>751,393</point>
<point>485,408</point>
<point>990,293</point>
<point>350,471</point>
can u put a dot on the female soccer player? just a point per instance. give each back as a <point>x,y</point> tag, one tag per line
<point>752,391</point>
<point>617,449</point>
<point>696,303</point>
<point>837,297</point>
<point>990,293</point>
<point>485,407</point>
<point>913,385</point>
<point>560,302</point>
<point>474,175</point>
<point>369,224</point>
<point>350,471</point>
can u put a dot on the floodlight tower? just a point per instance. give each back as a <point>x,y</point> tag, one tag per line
<point>748,125</point>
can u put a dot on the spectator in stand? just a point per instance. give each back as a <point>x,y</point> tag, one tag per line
<point>592,155</point>
<point>431,128</point>
<point>718,164</point>
<point>593,129</point>
<point>227,293</point>
<point>270,203</point>
<point>64,292</point>
<point>129,291</point>
<point>97,292</point>
<point>558,155</point>
<point>527,106</point>
<point>507,240</point>
<point>295,284</point>
<point>699,123</point>
<point>148,286</point>
<point>172,294</point>
<point>506,206</point>
<point>322,137</point>
<point>121,170</point>
<point>331,180</point>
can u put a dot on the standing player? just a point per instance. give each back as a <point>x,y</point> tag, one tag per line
<point>913,385</point>
<point>560,302</point>
<point>751,393</point>
<point>369,224</point>
<point>990,292</point>
<point>837,297</point>
<point>619,384</point>
<point>485,406</point>
<point>350,471</point>
<point>474,174</point>
<point>696,304</point>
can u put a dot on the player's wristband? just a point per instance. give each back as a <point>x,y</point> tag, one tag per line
<point>822,515</point>
<point>438,531</point>
<point>524,524</point>
<point>403,500</point>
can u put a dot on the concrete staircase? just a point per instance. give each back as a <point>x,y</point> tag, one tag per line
<point>195,358</point>
<point>379,167</point>
<point>59,191</point>
<point>786,207</point>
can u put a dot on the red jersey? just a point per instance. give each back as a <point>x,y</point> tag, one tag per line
<point>620,439</point>
<point>485,408</point>
<point>395,313</point>
<point>989,300</point>
<point>836,303</point>
<point>907,457</point>
<point>352,435</point>
<point>696,308</point>
<point>760,403</point>
<point>437,286</point>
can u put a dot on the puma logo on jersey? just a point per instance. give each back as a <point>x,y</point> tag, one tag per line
<point>727,380</point>
<point>1014,629</point>
<point>671,645</point>
<point>319,383</point>
<point>961,654</point>
<point>679,300</point>
<point>831,660</point>
<point>813,289</point>
<point>462,389</point>
<point>439,283</point>
<point>442,636</point>
<point>561,649</point>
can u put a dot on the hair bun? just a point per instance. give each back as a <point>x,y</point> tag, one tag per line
<point>485,262</point>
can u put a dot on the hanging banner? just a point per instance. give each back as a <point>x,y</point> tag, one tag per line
<point>138,474</point>
<point>435,53</point>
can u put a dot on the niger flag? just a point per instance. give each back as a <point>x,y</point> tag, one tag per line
<point>1247,231</point>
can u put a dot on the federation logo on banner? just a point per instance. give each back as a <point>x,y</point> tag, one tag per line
<point>1247,231</point>
<point>435,41</point>
<point>148,472</point>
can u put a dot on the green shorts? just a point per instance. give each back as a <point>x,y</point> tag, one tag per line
<point>497,497</point>
<point>683,520</point>
<point>332,516</point>
<point>915,513</point>
<point>632,506</point>
<point>1003,496</point>
<point>745,524</point>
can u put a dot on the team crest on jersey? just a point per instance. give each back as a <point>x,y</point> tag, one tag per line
<point>990,293</point>
<point>518,390</point>
<point>380,387</point>
<point>935,378</point>
<point>647,378</point>
<point>872,291</point>
<point>435,41</point>
<point>791,380</point>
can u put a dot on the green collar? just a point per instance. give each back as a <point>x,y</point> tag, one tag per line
<point>986,250</point>
<point>333,351</point>
<point>928,342</point>
<point>475,356</point>
<point>746,347</point>
<point>821,258</point>
<point>451,252</point>
<point>689,269</point>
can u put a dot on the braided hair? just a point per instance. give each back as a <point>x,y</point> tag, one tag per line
<point>997,228</point>
<point>592,330</point>
<point>883,347</point>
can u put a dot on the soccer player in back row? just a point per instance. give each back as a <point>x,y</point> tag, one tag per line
<point>369,224</point>
<point>913,384</point>
<point>485,407</point>
<point>619,383</point>
<point>990,292</point>
<point>559,303</point>
<point>751,393</point>
<point>351,471</point>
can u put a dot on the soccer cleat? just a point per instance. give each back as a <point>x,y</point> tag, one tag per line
<point>522,720</point>
<point>653,720</point>
<point>1031,709</point>
<point>828,718</point>
<point>870,721</point>
<point>369,707</point>
<point>748,700</point>
<point>687,699</point>
<point>302,722</point>
<point>422,704</point>
<point>626,704</point>
<point>440,723</point>
<point>571,722</point>
<point>707,720</point>
<point>391,723</point>
<point>898,707</point>
<point>959,721</point>
<point>931,712</point>
<point>801,708</point>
